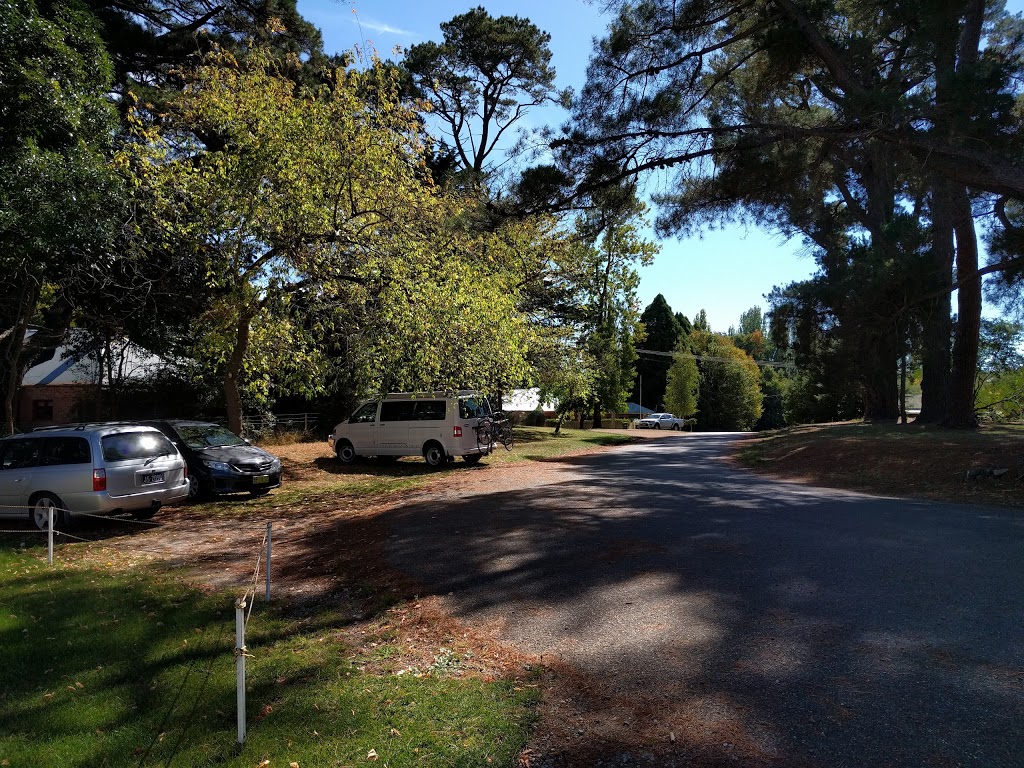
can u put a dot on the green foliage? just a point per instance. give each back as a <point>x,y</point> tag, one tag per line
<point>999,392</point>
<point>60,202</point>
<point>774,387</point>
<point>482,79</point>
<point>730,394</point>
<point>662,332</point>
<point>313,223</point>
<point>683,384</point>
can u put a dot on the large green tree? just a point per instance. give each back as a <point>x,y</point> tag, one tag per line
<point>662,332</point>
<point>682,386</point>
<point>59,198</point>
<point>481,80</point>
<point>729,395</point>
<point>858,85</point>
<point>316,197</point>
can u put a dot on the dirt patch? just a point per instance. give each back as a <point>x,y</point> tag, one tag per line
<point>985,467</point>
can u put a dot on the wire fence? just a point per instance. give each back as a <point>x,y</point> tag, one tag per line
<point>56,517</point>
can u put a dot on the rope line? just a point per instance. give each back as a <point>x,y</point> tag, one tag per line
<point>255,580</point>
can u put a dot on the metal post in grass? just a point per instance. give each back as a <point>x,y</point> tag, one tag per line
<point>49,535</point>
<point>270,527</point>
<point>240,665</point>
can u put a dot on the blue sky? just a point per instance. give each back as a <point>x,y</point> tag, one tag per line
<point>724,272</point>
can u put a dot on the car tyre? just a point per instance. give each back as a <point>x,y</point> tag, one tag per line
<point>676,427</point>
<point>658,425</point>
<point>345,451</point>
<point>39,514</point>
<point>472,458</point>
<point>434,454</point>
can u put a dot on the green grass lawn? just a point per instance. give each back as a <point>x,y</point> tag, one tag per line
<point>107,668</point>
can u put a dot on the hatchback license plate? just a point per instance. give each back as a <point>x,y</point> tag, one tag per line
<point>151,478</point>
<point>261,479</point>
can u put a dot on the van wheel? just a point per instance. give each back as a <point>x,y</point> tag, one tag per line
<point>472,458</point>
<point>434,455</point>
<point>346,452</point>
<point>40,514</point>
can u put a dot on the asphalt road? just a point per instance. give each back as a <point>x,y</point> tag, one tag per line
<point>711,616</point>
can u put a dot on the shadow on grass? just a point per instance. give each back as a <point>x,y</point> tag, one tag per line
<point>99,667</point>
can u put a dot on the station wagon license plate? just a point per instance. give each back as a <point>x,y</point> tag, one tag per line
<point>151,477</point>
<point>260,479</point>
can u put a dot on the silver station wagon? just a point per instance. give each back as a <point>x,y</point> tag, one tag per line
<point>93,469</point>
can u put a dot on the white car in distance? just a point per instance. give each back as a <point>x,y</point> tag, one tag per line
<point>661,421</point>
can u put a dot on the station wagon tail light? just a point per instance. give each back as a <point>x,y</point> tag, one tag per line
<point>99,479</point>
<point>457,431</point>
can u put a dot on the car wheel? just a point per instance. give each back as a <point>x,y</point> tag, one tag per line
<point>434,455</point>
<point>657,426</point>
<point>472,458</point>
<point>346,452</point>
<point>676,427</point>
<point>40,514</point>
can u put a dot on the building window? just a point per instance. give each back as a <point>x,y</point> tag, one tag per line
<point>42,410</point>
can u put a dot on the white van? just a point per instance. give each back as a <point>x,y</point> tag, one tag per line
<point>435,425</point>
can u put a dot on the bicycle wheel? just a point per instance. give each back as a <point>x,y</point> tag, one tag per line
<point>484,434</point>
<point>505,435</point>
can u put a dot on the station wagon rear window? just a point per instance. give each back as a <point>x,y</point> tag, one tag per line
<point>135,445</point>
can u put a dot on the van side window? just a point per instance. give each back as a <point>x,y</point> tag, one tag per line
<point>59,451</point>
<point>18,454</point>
<point>365,414</point>
<point>429,410</point>
<point>396,410</point>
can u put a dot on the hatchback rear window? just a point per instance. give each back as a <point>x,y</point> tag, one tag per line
<point>135,445</point>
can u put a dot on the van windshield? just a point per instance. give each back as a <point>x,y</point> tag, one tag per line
<point>474,407</point>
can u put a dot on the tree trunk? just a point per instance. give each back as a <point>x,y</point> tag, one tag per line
<point>961,413</point>
<point>879,385</point>
<point>232,392</point>
<point>597,415</point>
<point>12,349</point>
<point>935,313</point>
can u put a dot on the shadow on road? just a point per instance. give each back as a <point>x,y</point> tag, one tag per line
<point>701,615</point>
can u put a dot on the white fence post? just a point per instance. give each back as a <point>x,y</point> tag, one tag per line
<point>49,535</point>
<point>240,665</point>
<point>270,528</point>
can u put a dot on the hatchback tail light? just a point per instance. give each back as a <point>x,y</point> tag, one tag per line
<point>457,431</point>
<point>99,479</point>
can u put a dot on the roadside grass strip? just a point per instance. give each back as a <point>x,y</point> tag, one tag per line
<point>101,667</point>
